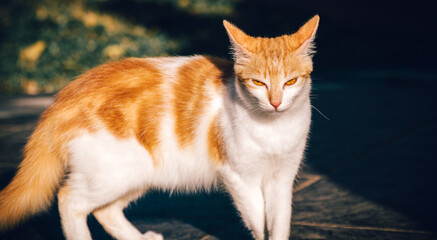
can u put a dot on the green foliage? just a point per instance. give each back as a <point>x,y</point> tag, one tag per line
<point>45,44</point>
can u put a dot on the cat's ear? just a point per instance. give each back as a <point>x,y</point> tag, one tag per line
<point>241,42</point>
<point>305,36</point>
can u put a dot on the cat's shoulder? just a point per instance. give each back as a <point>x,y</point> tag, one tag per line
<point>196,70</point>
<point>149,72</point>
<point>206,67</point>
<point>193,64</point>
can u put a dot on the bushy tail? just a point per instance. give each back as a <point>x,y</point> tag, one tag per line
<point>33,187</point>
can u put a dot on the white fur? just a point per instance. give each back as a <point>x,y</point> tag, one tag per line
<point>169,66</point>
<point>264,154</point>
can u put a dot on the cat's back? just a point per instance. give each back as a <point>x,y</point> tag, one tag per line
<point>135,97</point>
<point>132,77</point>
<point>152,104</point>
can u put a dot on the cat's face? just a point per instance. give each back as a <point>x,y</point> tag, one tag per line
<point>271,80</point>
<point>272,72</point>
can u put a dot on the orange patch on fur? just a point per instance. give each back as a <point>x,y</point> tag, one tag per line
<point>111,96</point>
<point>125,97</point>
<point>149,114</point>
<point>190,93</point>
<point>216,145</point>
<point>115,111</point>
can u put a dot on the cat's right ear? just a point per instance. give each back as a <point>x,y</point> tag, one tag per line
<point>241,42</point>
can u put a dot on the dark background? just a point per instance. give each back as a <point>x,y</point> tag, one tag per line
<point>375,79</point>
<point>369,34</point>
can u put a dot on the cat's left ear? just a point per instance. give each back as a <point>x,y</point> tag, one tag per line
<point>305,36</point>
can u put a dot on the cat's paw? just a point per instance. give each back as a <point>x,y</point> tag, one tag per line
<point>150,235</point>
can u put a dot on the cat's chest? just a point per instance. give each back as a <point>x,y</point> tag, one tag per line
<point>267,139</point>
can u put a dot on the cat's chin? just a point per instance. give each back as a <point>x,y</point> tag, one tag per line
<point>274,111</point>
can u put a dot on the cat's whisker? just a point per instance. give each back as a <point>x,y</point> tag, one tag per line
<point>320,112</point>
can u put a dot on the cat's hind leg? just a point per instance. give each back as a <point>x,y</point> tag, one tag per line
<point>105,175</point>
<point>76,204</point>
<point>113,220</point>
<point>74,212</point>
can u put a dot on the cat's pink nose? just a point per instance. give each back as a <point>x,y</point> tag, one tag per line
<point>275,104</point>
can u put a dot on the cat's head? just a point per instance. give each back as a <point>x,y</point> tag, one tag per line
<point>272,72</point>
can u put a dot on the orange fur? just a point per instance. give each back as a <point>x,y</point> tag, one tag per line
<point>267,58</point>
<point>122,97</point>
<point>148,119</point>
<point>190,93</point>
<point>216,145</point>
<point>288,43</point>
<point>38,176</point>
<point>128,99</point>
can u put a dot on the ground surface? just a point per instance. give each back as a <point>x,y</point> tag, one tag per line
<point>369,171</point>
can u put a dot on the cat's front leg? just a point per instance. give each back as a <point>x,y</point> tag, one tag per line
<point>278,196</point>
<point>248,199</point>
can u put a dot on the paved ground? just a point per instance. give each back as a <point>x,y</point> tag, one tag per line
<point>369,172</point>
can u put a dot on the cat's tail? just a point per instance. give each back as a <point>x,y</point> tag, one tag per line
<point>33,187</point>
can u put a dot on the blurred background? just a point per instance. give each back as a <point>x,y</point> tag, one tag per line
<point>46,43</point>
<point>371,163</point>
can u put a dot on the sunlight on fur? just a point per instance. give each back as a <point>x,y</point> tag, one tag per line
<point>178,124</point>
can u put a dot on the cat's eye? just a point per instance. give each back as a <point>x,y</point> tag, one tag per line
<point>258,83</point>
<point>291,82</point>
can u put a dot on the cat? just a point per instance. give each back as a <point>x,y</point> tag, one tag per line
<point>176,124</point>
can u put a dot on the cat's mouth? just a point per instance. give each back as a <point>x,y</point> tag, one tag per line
<point>275,111</point>
<point>278,111</point>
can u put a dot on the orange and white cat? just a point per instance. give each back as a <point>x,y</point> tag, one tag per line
<point>177,124</point>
